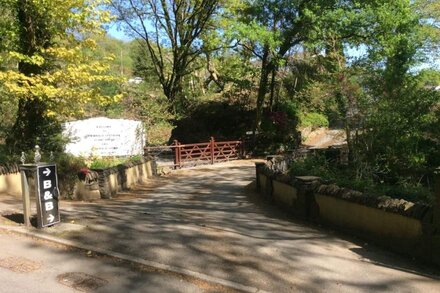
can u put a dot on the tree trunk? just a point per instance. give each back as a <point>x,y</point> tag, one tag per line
<point>213,74</point>
<point>32,126</point>
<point>272,86</point>
<point>170,94</point>
<point>262,90</point>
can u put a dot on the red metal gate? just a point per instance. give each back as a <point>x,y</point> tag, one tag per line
<point>185,155</point>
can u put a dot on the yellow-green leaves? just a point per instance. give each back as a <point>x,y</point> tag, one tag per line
<point>67,74</point>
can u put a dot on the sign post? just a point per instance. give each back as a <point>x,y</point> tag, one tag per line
<point>48,213</point>
<point>46,186</point>
<point>26,197</point>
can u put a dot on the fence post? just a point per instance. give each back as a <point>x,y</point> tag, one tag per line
<point>176,154</point>
<point>212,148</point>
<point>180,155</point>
<point>242,149</point>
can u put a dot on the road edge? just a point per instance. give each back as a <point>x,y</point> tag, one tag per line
<point>128,258</point>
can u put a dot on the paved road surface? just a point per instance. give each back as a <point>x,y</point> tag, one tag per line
<point>35,266</point>
<point>208,220</point>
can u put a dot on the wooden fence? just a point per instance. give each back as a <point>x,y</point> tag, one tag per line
<point>180,155</point>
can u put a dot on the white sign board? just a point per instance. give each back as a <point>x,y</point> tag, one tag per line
<point>105,137</point>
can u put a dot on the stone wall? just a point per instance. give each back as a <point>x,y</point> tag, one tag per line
<point>10,180</point>
<point>123,177</point>
<point>104,184</point>
<point>399,225</point>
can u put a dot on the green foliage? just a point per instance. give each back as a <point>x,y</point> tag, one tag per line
<point>343,176</point>
<point>46,68</point>
<point>313,165</point>
<point>8,110</point>
<point>109,162</point>
<point>68,167</point>
<point>221,120</point>
<point>160,133</point>
<point>303,70</point>
<point>143,102</point>
<point>270,30</point>
<point>410,192</point>
<point>390,117</point>
<point>151,107</point>
<point>429,77</point>
<point>314,120</point>
<point>240,77</point>
<point>171,34</point>
<point>119,53</point>
<point>402,134</point>
<point>4,157</point>
<point>103,163</point>
<point>8,27</point>
<point>290,108</point>
<point>278,131</point>
<point>222,68</point>
<point>46,132</point>
<point>142,64</point>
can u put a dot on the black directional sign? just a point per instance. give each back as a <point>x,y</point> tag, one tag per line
<point>47,201</point>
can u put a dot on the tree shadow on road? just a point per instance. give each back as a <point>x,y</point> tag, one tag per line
<point>210,221</point>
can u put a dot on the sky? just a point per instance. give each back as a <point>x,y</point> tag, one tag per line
<point>118,33</point>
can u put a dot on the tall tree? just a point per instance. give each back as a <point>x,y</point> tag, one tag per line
<point>393,138</point>
<point>55,75</point>
<point>270,29</point>
<point>400,128</point>
<point>170,31</point>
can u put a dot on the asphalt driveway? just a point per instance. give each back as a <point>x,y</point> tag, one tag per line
<point>209,220</point>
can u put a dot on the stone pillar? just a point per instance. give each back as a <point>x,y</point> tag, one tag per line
<point>264,181</point>
<point>277,163</point>
<point>153,168</point>
<point>104,184</point>
<point>258,168</point>
<point>305,206</point>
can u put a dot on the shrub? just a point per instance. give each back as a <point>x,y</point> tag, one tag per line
<point>68,167</point>
<point>159,134</point>
<point>108,162</point>
<point>345,176</point>
<point>401,135</point>
<point>217,119</point>
<point>278,129</point>
<point>314,120</point>
<point>4,158</point>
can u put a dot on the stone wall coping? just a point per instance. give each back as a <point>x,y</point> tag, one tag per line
<point>421,211</point>
<point>308,178</point>
<point>9,169</point>
<point>15,168</point>
<point>403,207</point>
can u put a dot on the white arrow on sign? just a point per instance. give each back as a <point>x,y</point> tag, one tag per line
<point>46,172</point>
<point>50,218</point>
